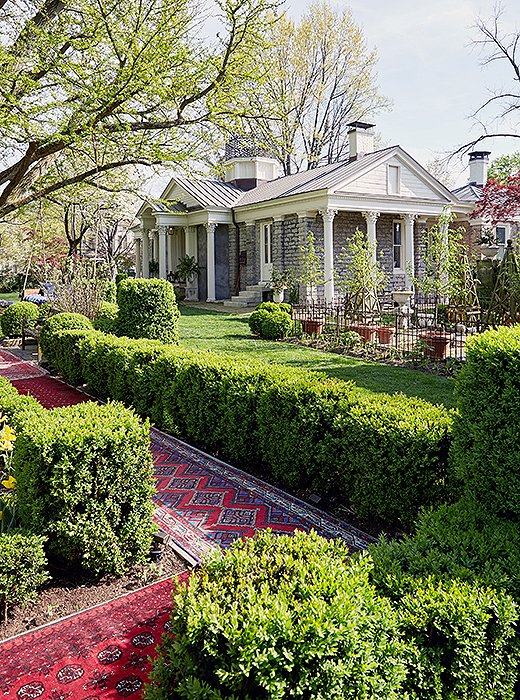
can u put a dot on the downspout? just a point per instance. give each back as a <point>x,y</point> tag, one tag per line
<point>237,252</point>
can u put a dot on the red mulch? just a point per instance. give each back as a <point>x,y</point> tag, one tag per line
<point>50,392</point>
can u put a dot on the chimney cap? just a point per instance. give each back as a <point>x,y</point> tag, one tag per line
<point>359,125</point>
<point>479,155</point>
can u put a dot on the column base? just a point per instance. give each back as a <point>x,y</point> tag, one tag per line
<point>210,300</point>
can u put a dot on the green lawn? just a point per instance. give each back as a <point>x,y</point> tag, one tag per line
<point>10,296</point>
<point>229,334</point>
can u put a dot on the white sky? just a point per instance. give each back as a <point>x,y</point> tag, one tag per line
<point>432,72</point>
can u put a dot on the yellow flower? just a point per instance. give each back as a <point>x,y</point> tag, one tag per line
<point>9,483</point>
<point>1,514</point>
<point>7,434</point>
<point>6,446</point>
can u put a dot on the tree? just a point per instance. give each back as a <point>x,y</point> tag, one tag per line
<point>504,167</point>
<point>319,75</point>
<point>440,170</point>
<point>503,47</point>
<point>91,85</point>
<point>500,201</point>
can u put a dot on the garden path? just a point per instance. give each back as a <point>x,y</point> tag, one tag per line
<point>201,502</point>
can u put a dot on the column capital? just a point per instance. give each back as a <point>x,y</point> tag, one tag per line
<point>371,216</point>
<point>410,218</point>
<point>210,226</point>
<point>328,214</point>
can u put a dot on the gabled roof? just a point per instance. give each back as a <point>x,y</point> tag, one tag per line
<point>309,180</point>
<point>468,193</point>
<point>209,193</point>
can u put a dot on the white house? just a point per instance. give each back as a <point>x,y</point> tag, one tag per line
<point>240,227</point>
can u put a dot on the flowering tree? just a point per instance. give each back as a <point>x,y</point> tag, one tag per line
<point>500,201</point>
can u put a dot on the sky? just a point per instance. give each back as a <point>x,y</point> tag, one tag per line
<point>431,70</point>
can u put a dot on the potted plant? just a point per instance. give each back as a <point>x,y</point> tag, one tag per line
<point>280,281</point>
<point>187,272</point>
<point>488,244</point>
<point>436,344</point>
<point>385,334</point>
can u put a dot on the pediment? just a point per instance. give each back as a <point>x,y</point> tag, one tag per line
<point>415,182</point>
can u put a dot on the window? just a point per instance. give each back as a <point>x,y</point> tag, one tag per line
<point>268,243</point>
<point>393,179</point>
<point>398,244</point>
<point>500,233</point>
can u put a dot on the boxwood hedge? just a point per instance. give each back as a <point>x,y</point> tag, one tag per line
<point>147,309</point>
<point>385,455</point>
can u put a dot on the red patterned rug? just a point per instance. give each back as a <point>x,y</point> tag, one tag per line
<point>50,392</point>
<point>102,652</point>
<point>14,367</point>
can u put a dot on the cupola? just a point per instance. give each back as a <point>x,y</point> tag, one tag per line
<point>247,164</point>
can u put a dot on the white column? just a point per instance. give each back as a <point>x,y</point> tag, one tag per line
<point>328,252</point>
<point>163,232</point>
<point>146,254</point>
<point>138,247</point>
<point>172,263</point>
<point>409,249</point>
<point>371,219</point>
<point>210,256</point>
<point>190,240</point>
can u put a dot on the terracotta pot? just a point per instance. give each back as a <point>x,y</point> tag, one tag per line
<point>436,345</point>
<point>385,334</point>
<point>312,327</point>
<point>366,332</point>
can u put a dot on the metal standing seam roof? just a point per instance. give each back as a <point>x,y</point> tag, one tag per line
<point>468,193</point>
<point>211,193</point>
<point>305,181</point>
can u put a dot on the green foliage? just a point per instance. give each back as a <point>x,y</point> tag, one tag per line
<point>11,319</point>
<point>147,309</point>
<point>271,320</point>
<point>120,277</point>
<point>187,269</point>
<point>303,427</point>
<point>280,617</point>
<point>22,567</point>
<point>64,321</point>
<point>106,320</point>
<point>110,292</point>
<point>504,167</point>
<point>285,617</point>
<point>459,541</point>
<point>277,325</point>
<point>487,429</point>
<point>363,276</point>
<point>310,268</point>
<point>84,480</point>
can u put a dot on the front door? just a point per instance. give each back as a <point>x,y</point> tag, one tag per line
<point>266,252</point>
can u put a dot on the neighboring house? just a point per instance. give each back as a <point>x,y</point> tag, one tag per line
<point>239,228</point>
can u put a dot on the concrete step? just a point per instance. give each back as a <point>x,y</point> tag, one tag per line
<point>237,303</point>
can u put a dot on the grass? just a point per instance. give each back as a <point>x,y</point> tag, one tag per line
<point>10,296</point>
<point>230,334</point>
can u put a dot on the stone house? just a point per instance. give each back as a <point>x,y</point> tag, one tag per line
<point>240,227</point>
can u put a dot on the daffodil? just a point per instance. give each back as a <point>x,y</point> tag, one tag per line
<point>7,434</point>
<point>9,483</point>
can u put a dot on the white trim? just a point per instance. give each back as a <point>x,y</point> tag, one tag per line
<point>398,270</point>
<point>391,167</point>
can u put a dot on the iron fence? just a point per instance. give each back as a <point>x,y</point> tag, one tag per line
<point>423,328</point>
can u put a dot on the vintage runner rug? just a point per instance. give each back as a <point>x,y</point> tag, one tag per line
<point>14,367</point>
<point>102,652</point>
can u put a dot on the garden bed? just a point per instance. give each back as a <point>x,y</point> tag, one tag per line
<point>66,594</point>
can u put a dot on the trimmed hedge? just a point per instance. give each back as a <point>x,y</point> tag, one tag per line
<point>485,453</point>
<point>280,617</point>
<point>11,319</point>
<point>63,321</point>
<point>147,309</point>
<point>106,319</point>
<point>109,294</point>
<point>84,479</point>
<point>306,429</point>
<point>22,567</point>
<point>293,617</point>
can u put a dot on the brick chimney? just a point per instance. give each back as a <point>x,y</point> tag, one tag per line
<point>478,167</point>
<point>360,139</point>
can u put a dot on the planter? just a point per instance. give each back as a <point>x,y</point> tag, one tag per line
<point>385,334</point>
<point>278,296</point>
<point>366,332</point>
<point>402,297</point>
<point>489,251</point>
<point>312,327</point>
<point>436,345</point>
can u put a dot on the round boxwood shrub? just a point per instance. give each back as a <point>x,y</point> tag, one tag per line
<point>256,319</point>
<point>280,617</point>
<point>60,322</point>
<point>277,325</point>
<point>106,319</point>
<point>275,306</point>
<point>13,316</point>
<point>147,309</point>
